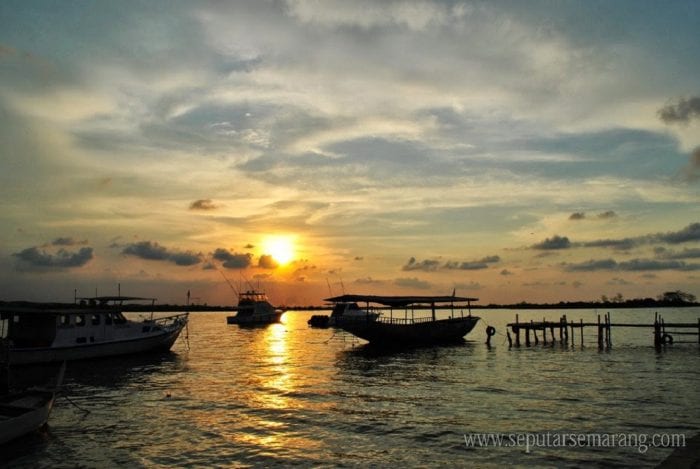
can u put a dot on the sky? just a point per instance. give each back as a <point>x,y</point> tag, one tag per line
<point>538,151</point>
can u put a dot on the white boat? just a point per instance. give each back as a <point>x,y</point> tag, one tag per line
<point>27,411</point>
<point>254,308</point>
<point>342,309</point>
<point>96,328</point>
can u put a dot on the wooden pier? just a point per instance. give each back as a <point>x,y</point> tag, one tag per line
<point>566,330</point>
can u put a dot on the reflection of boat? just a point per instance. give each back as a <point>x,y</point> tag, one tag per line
<point>398,331</point>
<point>341,309</point>
<point>254,308</point>
<point>95,328</point>
<point>27,411</point>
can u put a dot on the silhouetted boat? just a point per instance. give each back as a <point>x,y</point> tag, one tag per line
<point>24,412</point>
<point>405,331</point>
<point>95,328</point>
<point>254,308</point>
<point>347,309</point>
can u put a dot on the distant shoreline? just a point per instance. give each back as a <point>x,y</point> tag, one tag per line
<point>629,304</point>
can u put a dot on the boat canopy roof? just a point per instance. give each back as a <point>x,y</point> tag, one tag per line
<point>399,300</point>
<point>105,299</point>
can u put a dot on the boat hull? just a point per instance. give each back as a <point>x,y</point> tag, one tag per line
<point>155,342</point>
<point>400,333</point>
<point>254,319</point>
<point>24,413</point>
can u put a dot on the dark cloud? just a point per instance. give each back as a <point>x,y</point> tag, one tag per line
<point>577,216</point>
<point>155,252</point>
<point>203,204</point>
<point>691,171</point>
<point>412,283</point>
<point>232,260</point>
<point>266,261</point>
<point>555,242</point>
<point>62,259</point>
<point>687,234</point>
<point>68,241</point>
<point>428,265</point>
<point>591,265</point>
<point>432,265</point>
<point>506,272</point>
<point>620,244</point>
<point>472,265</point>
<point>607,215</point>
<point>682,111</point>
<point>633,265</point>
<point>663,253</point>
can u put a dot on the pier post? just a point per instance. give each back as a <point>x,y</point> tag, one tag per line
<point>510,339</point>
<point>566,331</point>
<point>581,332</point>
<point>551,331</point>
<point>609,331</point>
<point>561,333</point>
<point>527,336</point>
<point>600,334</point>
<point>657,330</point>
<point>544,331</point>
<point>573,336</point>
<point>517,332</point>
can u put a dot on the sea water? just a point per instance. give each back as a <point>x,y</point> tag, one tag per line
<point>286,394</point>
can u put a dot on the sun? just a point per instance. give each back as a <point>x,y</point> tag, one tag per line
<point>280,247</point>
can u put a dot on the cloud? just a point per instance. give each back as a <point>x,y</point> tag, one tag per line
<point>428,265</point>
<point>35,258</point>
<point>663,253</point>
<point>203,204</point>
<point>412,283</point>
<point>432,265</point>
<point>601,216</point>
<point>592,265</point>
<point>691,171</point>
<point>266,261</point>
<point>555,242</point>
<point>634,265</point>
<point>67,242</point>
<point>621,244</point>
<point>472,265</point>
<point>232,260</point>
<point>687,234</point>
<point>682,111</point>
<point>153,251</point>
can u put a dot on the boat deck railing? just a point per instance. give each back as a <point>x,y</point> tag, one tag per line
<point>395,320</point>
<point>168,320</point>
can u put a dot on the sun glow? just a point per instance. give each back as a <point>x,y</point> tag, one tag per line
<point>281,248</point>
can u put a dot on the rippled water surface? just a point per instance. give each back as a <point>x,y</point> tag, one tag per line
<point>286,394</point>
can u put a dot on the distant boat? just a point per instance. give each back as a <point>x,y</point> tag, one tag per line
<point>24,412</point>
<point>406,331</point>
<point>95,328</point>
<point>254,308</point>
<point>341,309</point>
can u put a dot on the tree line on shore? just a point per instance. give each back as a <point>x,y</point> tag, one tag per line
<point>675,298</point>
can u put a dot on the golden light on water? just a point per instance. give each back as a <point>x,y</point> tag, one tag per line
<point>280,247</point>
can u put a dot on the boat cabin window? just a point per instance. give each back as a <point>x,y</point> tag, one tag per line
<point>95,318</point>
<point>64,320</point>
<point>119,318</point>
<point>80,320</point>
<point>108,319</point>
<point>32,330</point>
